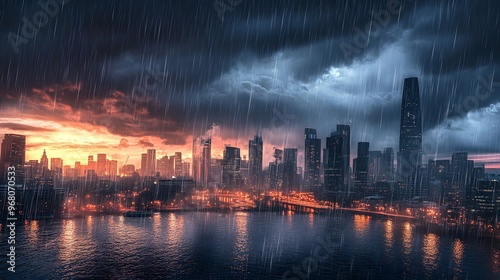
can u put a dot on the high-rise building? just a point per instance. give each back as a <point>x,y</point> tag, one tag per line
<point>410,137</point>
<point>486,202</point>
<point>202,157</point>
<point>112,169</point>
<point>56,164</point>
<point>456,188</point>
<point>255,152</point>
<point>362,162</point>
<point>388,164</point>
<point>178,163</point>
<point>337,159</point>
<point>144,164</point>
<point>289,169</point>
<point>12,154</point>
<point>162,166</point>
<point>44,162</point>
<point>101,165</point>
<point>91,164</point>
<point>186,169</point>
<point>231,176</point>
<point>151,162</point>
<point>375,166</point>
<point>312,158</point>
<point>276,171</point>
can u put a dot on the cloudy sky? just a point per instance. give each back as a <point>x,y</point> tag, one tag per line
<point>122,76</point>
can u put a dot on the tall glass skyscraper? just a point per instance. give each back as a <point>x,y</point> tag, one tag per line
<point>410,137</point>
<point>312,157</point>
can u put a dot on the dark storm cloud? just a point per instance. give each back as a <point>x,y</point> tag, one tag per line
<point>23,127</point>
<point>267,59</point>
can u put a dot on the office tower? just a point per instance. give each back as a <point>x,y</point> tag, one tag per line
<point>362,161</point>
<point>151,162</point>
<point>289,169</point>
<point>178,163</point>
<point>255,152</point>
<point>361,169</point>
<point>410,137</point>
<point>486,201</point>
<point>56,164</point>
<point>171,166</point>
<point>345,132</point>
<point>162,166</point>
<point>44,162</point>
<point>12,154</point>
<point>455,183</point>
<point>112,169</point>
<point>388,164</point>
<point>202,157</point>
<point>185,169</point>
<point>231,167</point>
<point>144,164</point>
<point>337,159</point>
<point>127,170</point>
<point>375,166</point>
<point>101,165</point>
<point>206,161</point>
<point>91,164</point>
<point>312,158</point>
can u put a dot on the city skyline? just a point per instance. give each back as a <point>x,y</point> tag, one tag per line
<point>163,93</point>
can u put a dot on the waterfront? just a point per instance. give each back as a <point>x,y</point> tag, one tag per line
<point>241,245</point>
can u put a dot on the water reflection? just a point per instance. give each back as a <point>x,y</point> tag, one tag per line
<point>389,235</point>
<point>68,249</point>
<point>431,252</point>
<point>407,246</point>
<point>311,219</point>
<point>241,246</point>
<point>458,255</point>
<point>495,259</point>
<point>175,232</point>
<point>361,224</point>
<point>33,228</point>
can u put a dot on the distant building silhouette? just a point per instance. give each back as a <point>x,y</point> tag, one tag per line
<point>12,154</point>
<point>289,169</point>
<point>255,152</point>
<point>337,167</point>
<point>312,158</point>
<point>410,137</point>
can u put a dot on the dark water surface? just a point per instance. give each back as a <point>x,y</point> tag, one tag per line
<point>243,246</point>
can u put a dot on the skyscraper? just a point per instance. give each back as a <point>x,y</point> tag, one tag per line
<point>337,159</point>
<point>178,163</point>
<point>202,154</point>
<point>289,169</point>
<point>12,154</point>
<point>410,137</point>
<point>361,174</point>
<point>255,151</point>
<point>101,165</point>
<point>44,162</point>
<point>387,164</point>
<point>312,157</point>
<point>151,162</point>
<point>144,164</point>
<point>231,167</point>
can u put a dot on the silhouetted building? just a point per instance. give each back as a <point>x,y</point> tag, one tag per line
<point>101,165</point>
<point>231,176</point>
<point>12,154</point>
<point>255,151</point>
<point>178,164</point>
<point>387,168</point>
<point>487,200</point>
<point>337,159</point>
<point>410,137</point>
<point>361,169</point>
<point>202,154</point>
<point>312,158</point>
<point>375,166</point>
<point>289,169</point>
